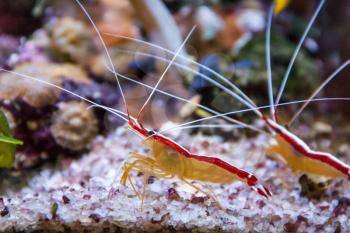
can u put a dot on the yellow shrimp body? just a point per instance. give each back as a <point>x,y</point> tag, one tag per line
<point>168,159</point>
<point>172,162</point>
<point>281,150</point>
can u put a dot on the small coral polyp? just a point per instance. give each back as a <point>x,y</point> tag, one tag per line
<point>73,125</point>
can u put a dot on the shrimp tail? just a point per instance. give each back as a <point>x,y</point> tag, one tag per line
<point>253,182</point>
<point>244,176</point>
<point>262,190</point>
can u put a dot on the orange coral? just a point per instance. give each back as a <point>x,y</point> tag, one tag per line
<point>70,37</point>
<point>117,19</point>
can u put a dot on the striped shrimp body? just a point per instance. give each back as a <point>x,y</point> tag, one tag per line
<point>168,159</point>
<point>290,149</point>
<point>286,146</point>
<point>184,164</point>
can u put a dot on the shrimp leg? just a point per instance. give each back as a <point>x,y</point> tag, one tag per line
<point>215,198</point>
<point>274,153</point>
<point>127,168</point>
<point>202,191</point>
<point>145,182</point>
<point>145,165</point>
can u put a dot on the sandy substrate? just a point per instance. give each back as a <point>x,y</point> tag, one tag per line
<point>87,196</point>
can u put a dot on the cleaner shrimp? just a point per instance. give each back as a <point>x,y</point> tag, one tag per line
<point>168,159</point>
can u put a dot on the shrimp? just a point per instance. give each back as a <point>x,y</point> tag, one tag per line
<point>300,157</point>
<point>168,159</point>
<point>293,150</point>
<point>286,147</point>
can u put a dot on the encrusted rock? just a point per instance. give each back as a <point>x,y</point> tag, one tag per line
<point>311,188</point>
<point>74,126</point>
<point>35,94</point>
<point>71,39</point>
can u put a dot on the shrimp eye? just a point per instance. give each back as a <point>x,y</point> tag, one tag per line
<point>151,132</point>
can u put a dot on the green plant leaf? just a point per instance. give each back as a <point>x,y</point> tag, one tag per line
<point>7,154</point>
<point>7,143</point>
<point>10,140</point>
<point>4,125</point>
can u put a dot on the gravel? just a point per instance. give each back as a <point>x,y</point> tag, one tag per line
<point>86,196</point>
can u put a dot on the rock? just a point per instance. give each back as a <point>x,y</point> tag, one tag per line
<point>74,125</point>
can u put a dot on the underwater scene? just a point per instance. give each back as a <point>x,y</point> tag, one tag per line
<point>174,116</point>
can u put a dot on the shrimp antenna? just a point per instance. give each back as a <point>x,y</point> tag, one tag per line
<point>249,110</point>
<point>124,116</point>
<point>111,110</point>
<point>165,71</point>
<point>330,78</point>
<point>211,126</point>
<point>243,98</point>
<point>235,121</point>
<point>268,61</point>
<point>296,52</point>
<point>106,52</point>
<point>191,70</point>
<point>116,74</point>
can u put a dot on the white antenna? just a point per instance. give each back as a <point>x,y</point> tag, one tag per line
<point>249,110</point>
<point>330,78</point>
<point>246,100</point>
<point>111,110</point>
<point>296,52</point>
<point>165,71</point>
<point>105,49</point>
<point>268,61</point>
<point>202,75</point>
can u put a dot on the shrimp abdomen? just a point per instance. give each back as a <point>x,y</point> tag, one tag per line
<point>183,166</point>
<point>299,162</point>
<point>207,172</point>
